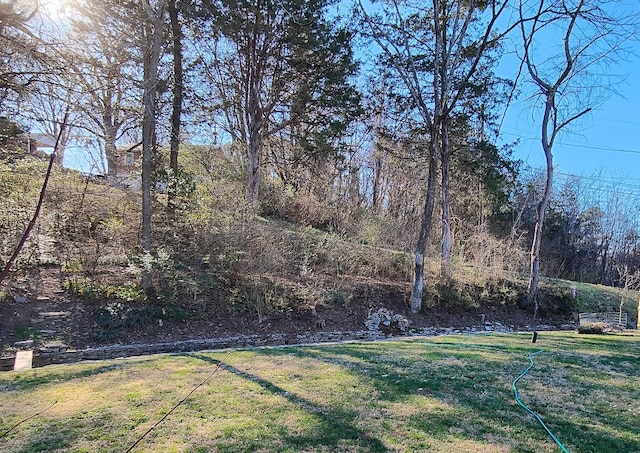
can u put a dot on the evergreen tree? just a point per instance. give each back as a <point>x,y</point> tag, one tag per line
<point>274,65</point>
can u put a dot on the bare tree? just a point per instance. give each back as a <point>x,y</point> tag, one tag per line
<point>438,52</point>
<point>22,59</point>
<point>102,62</point>
<point>32,89</point>
<point>589,37</point>
<point>48,104</point>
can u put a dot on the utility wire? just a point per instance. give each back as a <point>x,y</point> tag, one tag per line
<point>604,179</point>
<point>610,185</point>
<point>178,403</point>
<point>576,145</point>
<point>601,148</point>
<point>537,417</point>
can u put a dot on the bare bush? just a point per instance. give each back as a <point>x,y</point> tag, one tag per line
<point>485,251</point>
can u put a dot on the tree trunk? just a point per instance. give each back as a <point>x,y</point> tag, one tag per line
<point>604,262</point>
<point>376,201</point>
<point>176,113</point>
<point>440,131</point>
<point>253,164</point>
<point>110,149</point>
<point>446,208</point>
<point>153,29</point>
<point>254,123</point>
<point>534,276</point>
<point>423,237</point>
<point>534,266</point>
<point>60,152</point>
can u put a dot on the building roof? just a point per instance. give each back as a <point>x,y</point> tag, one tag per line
<point>43,140</point>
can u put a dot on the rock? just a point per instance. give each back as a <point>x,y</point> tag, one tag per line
<point>23,344</point>
<point>19,299</point>
<point>24,361</point>
<point>391,322</point>
<point>46,332</point>
<point>54,314</point>
<point>54,346</point>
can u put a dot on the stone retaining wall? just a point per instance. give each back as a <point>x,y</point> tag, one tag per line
<point>49,357</point>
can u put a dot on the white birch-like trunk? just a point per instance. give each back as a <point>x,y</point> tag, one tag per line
<point>417,288</point>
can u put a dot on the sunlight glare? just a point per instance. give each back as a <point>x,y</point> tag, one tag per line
<point>52,9</point>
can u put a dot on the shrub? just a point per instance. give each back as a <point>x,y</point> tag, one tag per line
<point>116,316</point>
<point>301,208</point>
<point>83,288</point>
<point>596,328</point>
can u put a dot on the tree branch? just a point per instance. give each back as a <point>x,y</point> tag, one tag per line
<point>32,223</point>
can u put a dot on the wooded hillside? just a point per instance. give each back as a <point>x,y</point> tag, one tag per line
<point>278,156</point>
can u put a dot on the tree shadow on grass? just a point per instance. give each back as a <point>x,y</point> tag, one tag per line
<point>477,391</point>
<point>337,424</point>
<point>33,379</point>
<point>396,383</point>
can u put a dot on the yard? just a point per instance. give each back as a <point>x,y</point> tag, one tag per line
<point>446,393</point>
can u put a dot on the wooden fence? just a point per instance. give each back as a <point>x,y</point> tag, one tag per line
<point>612,318</point>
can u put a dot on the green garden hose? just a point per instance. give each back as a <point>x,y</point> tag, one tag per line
<point>515,391</point>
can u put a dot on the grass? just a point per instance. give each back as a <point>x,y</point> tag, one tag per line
<point>449,393</point>
<point>591,298</point>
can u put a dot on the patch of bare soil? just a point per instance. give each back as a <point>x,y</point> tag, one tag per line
<point>42,316</point>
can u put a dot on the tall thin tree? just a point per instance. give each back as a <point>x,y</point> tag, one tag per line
<point>151,44</point>
<point>590,36</point>
<point>177,101</point>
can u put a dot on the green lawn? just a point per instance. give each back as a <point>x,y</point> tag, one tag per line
<point>449,394</point>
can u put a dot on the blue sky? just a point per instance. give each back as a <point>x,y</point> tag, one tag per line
<point>603,147</point>
<point>84,157</point>
<point>607,139</point>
